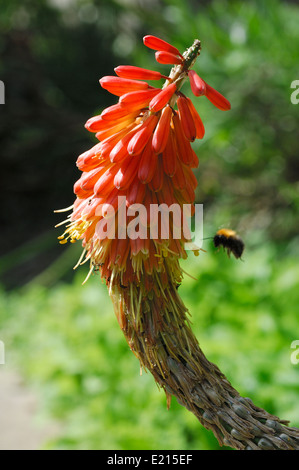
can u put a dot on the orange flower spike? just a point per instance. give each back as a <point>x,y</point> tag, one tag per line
<point>200,129</point>
<point>217,99</point>
<point>143,275</point>
<point>141,137</point>
<point>137,73</point>
<point>186,119</point>
<point>162,98</point>
<point>161,133</point>
<point>152,42</point>
<point>168,58</point>
<point>119,86</point>
<point>198,86</point>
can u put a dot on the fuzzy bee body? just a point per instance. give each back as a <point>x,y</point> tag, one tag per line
<point>230,241</point>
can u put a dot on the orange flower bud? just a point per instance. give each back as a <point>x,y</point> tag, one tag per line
<point>183,145</point>
<point>157,179</point>
<point>137,73</point>
<point>217,99</point>
<point>198,86</point>
<point>138,99</point>
<point>200,130</point>
<point>152,42</point>
<point>120,151</point>
<point>109,143</point>
<point>170,155</point>
<point>116,111</point>
<point>85,159</point>
<point>162,98</point>
<point>126,172</point>
<point>167,58</point>
<point>179,178</point>
<point>119,86</point>
<point>160,136</point>
<point>136,191</point>
<point>104,134</point>
<point>142,136</point>
<point>105,183</point>
<point>186,119</point>
<point>148,165</point>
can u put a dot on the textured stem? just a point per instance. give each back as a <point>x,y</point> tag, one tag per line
<point>157,330</point>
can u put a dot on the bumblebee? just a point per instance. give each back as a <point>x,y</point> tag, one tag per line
<point>230,241</point>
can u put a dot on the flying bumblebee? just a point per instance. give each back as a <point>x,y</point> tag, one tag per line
<point>230,241</point>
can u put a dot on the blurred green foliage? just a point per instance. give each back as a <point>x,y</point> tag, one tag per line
<point>64,337</point>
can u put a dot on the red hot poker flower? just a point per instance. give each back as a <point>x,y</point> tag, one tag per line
<point>145,156</point>
<point>144,140</point>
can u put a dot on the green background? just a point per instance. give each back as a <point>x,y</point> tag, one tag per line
<point>63,337</point>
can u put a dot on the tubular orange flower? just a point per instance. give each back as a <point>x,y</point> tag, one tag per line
<point>161,133</point>
<point>200,130</point>
<point>137,100</point>
<point>217,99</point>
<point>164,57</point>
<point>186,119</point>
<point>159,45</point>
<point>142,136</point>
<point>198,86</point>
<point>119,86</point>
<point>161,99</point>
<point>145,157</point>
<point>148,165</point>
<point>137,73</point>
<point>183,145</point>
